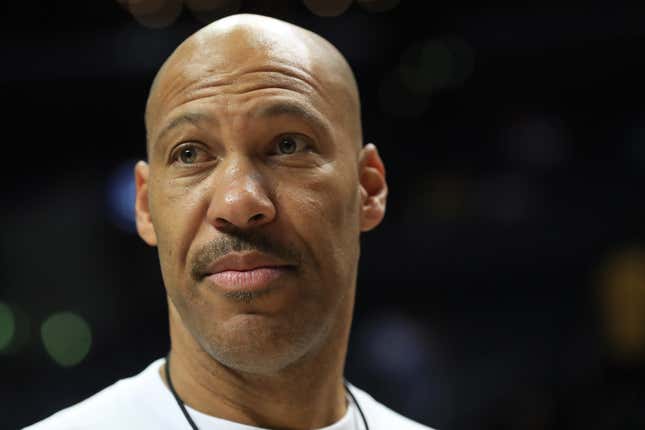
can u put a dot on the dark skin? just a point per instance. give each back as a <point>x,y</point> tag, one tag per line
<point>255,148</point>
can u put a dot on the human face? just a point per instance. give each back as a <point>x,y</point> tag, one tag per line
<point>253,162</point>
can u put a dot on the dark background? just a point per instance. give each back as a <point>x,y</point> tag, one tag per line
<point>505,288</point>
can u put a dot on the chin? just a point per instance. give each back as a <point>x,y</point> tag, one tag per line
<point>257,345</point>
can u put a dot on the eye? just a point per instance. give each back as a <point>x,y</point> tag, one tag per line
<point>190,154</point>
<point>290,144</point>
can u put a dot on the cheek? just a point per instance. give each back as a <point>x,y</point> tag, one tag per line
<point>324,211</point>
<point>337,200</point>
<point>176,217</point>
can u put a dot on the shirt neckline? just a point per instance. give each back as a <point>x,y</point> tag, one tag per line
<point>207,422</point>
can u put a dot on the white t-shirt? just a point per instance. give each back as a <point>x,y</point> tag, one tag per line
<point>143,402</point>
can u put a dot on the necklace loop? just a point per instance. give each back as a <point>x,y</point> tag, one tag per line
<point>194,426</point>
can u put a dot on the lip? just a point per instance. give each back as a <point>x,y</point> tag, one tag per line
<point>250,272</point>
<point>246,280</point>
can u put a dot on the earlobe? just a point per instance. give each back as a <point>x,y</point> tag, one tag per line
<point>373,187</point>
<point>145,228</point>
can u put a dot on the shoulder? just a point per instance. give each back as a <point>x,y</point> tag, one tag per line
<point>108,409</point>
<point>380,417</point>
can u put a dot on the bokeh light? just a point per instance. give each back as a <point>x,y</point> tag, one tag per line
<point>399,341</point>
<point>327,7</point>
<point>436,64</point>
<point>378,5</point>
<point>153,13</point>
<point>7,326</point>
<point>208,11</point>
<point>121,192</point>
<point>622,302</point>
<point>15,328</point>
<point>396,350</point>
<point>535,141</point>
<point>425,68</point>
<point>67,338</point>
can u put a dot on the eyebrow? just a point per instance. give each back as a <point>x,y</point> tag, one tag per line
<point>293,109</point>
<point>193,118</point>
<point>275,109</point>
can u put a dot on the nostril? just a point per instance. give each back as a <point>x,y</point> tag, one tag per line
<point>221,221</point>
<point>256,217</point>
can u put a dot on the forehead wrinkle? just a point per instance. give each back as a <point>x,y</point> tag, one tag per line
<point>229,85</point>
<point>184,92</point>
<point>243,81</point>
<point>210,92</point>
<point>278,76</point>
<point>293,72</point>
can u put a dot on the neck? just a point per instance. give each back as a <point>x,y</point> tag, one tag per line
<point>309,394</point>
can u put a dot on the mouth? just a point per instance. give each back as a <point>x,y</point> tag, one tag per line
<point>250,280</point>
<point>246,272</point>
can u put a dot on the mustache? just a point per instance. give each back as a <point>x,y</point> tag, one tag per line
<point>239,241</point>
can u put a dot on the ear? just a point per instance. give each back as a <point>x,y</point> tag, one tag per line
<point>373,187</point>
<point>144,221</point>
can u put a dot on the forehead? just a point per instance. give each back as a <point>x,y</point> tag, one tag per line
<point>238,63</point>
<point>235,67</point>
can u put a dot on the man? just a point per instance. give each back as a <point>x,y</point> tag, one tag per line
<point>256,190</point>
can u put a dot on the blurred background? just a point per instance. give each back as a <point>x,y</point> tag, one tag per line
<point>506,287</point>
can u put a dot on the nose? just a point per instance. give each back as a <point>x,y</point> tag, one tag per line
<point>240,198</point>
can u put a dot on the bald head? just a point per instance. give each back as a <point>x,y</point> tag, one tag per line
<point>231,49</point>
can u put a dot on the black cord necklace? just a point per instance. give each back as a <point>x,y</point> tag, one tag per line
<point>194,426</point>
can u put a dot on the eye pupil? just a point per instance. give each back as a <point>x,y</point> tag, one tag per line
<point>287,145</point>
<point>188,155</point>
